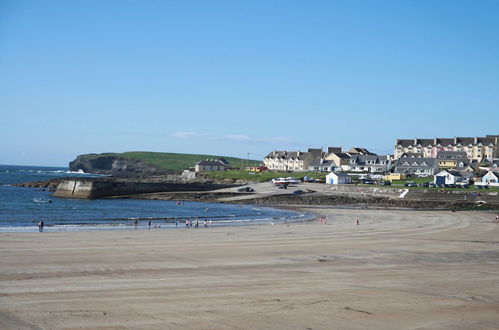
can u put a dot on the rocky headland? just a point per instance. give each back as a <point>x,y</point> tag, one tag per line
<point>113,165</point>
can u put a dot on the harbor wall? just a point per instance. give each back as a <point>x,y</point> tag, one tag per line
<point>92,189</point>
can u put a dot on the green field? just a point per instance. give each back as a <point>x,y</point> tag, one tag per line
<point>176,161</point>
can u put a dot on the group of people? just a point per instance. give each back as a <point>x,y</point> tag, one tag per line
<point>189,223</point>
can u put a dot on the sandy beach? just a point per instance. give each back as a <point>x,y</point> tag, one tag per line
<point>395,270</point>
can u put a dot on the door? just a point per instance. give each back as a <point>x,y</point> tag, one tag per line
<point>440,180</point>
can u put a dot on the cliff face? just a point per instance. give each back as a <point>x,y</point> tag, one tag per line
<point>104,164</point>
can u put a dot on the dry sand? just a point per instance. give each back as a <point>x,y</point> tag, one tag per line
<point>396,270</point>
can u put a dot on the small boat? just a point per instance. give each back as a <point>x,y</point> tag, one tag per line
<point>41,200</point>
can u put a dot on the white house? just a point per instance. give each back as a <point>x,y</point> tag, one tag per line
<point>449,177</point>
<point>491,178</point>
<point>338,178</point>
<point>321,165</point>
<point>369,163</point>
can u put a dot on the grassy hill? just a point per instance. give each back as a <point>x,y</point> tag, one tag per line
<point>176,161</point>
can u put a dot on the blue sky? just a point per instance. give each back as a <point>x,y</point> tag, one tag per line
<point>232,77</point>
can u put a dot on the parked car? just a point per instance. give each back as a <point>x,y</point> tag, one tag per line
<point>424,184</point>
<point>386,183</point>
<point>283,186</point>
<point>450,185</point>
<point>432,185</point>
<point>367,181</point>
<point>297,192</point>
<point>246,189</point>
<point>410,184</point>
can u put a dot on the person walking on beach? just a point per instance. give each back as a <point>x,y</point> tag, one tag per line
<point>205,224</point>
<point>197,224</point>
<point>357,222</point>
<point>149,224</point>
<point>135,224</point>
<point>40,226</point>
<point>497,218</point>
<point>176,223</point>
<point>187,223</point>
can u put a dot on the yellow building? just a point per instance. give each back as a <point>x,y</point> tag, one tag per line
<point>395,176</point>
<point>446,163</point>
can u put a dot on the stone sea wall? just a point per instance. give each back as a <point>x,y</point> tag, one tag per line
<point>92,189</point>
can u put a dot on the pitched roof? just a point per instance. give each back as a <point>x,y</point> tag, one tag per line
<point>343,155</point>
<point>213,162</point>
<point>416,161</point>
<point>321,162</point>
<point>282,154</point>
<point>404,143</point>
<point>315,152</point>
<point>454,155</point>
<point>363,159</point>
<point>332,150</point>
<point>360,151</point>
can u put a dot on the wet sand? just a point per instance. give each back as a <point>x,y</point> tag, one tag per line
<point>396,270</point>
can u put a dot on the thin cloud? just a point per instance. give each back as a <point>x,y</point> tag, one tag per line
<point>231,137</point>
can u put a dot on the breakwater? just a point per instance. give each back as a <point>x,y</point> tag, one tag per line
<point>101,188</point>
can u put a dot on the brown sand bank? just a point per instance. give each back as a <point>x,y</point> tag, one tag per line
<point>396,270</point>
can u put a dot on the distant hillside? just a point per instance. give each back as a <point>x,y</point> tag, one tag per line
<point>142,161</point>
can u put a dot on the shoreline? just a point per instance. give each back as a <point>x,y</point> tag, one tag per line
<point>393,267</point>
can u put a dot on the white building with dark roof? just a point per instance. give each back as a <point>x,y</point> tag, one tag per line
<point>491,178</point>
<point>369,163</point>
<point>449,177</point>
<point>211,165</point>
<point>321,165</point>
<point>416,166</point>
<point>338,178</point>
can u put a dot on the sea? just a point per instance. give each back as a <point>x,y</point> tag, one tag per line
<point>21,209</point>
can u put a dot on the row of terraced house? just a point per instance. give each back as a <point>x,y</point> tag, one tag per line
<point>423,157</point>
<point>334,159</point>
